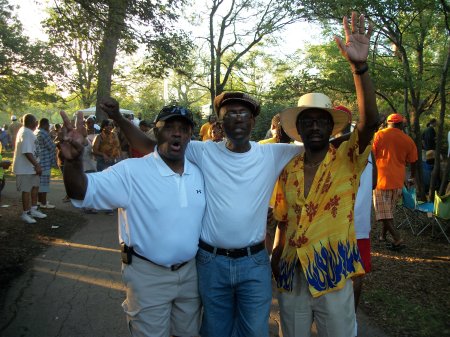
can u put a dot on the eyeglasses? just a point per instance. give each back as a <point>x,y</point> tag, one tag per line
<point>309,122</point>
<point>244,114</point>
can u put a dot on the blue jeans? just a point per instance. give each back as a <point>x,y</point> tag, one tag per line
<point>236,294</point>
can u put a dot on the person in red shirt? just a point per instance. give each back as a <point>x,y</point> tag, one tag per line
<point>393,151</point>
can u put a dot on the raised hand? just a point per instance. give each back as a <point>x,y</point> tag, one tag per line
<point>111,107</point>
<point>71,139</point>
<point>357,40</point>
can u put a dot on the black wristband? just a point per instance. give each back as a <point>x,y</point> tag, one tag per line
<point>361,70</point>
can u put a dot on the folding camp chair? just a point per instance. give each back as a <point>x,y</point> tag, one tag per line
<point>415,213</point>
<point>407,208</point>
<point>441,214</point>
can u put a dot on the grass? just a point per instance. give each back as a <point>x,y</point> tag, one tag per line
<point>407,293</point>
<point>407,316</point>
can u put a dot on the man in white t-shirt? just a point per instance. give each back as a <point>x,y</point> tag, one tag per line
<point>161,201</point>
<point>27,169</point>
<point>232,262</point>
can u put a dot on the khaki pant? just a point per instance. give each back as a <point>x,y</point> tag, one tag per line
<point>161,302</point>
<point>334,312</point>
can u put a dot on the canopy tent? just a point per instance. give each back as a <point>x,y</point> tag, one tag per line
<point>91,111</point>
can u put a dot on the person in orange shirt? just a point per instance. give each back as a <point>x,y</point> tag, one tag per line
<point>205,130</point>
<point>393,150</point>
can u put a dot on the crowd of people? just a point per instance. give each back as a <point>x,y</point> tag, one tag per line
<point>205,224</point>
<point>225,186</point>
<point>34,144</point>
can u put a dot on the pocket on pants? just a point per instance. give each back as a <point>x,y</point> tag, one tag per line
<point>261,258</point>
<point>203,257</point>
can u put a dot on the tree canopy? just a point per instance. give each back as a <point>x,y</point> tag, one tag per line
<point>26,68</point>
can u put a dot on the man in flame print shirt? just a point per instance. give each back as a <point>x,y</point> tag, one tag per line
<point>317,252</point>
<point>320,230</point>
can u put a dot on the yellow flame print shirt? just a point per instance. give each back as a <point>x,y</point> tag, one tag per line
<point>320,229</point>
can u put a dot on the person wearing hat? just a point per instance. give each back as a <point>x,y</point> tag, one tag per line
<point>393,150</point>
<point>316,254</point>
<point>233,266</point>
<point>232,262</point>
<point>161,201</point>
<point>13,129</point>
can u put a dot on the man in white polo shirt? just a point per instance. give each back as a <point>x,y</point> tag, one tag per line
<point>161,203</point>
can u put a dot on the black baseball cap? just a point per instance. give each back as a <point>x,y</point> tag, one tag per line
<point>172,111</point>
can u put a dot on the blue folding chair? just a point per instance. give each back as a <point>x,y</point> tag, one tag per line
<point>441,215</point>
<point>416,213</point>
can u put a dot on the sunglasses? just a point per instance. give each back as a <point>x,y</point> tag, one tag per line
<point>309,122</point>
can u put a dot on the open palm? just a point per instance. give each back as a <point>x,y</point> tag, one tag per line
<point>357,40</point>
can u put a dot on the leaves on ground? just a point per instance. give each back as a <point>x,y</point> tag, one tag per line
<point>407,293</point>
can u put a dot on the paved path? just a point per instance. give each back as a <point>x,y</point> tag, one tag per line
<point>74,288</point>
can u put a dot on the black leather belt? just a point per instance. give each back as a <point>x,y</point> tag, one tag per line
<point>233,253</point>
<point>173,267</point>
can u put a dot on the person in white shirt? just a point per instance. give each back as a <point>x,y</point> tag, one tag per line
<point>232,262</point>
<point>27,169</point>
<point>161,201</point>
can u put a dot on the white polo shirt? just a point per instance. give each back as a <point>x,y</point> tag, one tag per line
<point>160,212</point>
<point>238,189</point>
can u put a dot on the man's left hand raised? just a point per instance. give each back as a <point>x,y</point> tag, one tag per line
<point>357,40</point>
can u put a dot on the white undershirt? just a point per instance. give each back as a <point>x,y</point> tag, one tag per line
<point>363,203</point>
<point>238,189</point>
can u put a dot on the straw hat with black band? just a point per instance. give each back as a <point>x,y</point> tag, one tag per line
<point>312,101</point>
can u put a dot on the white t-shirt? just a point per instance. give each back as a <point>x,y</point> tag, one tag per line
<point>238,189</point>
<point>160,212</point>
<point>363,202</point>
<point>25,143</point>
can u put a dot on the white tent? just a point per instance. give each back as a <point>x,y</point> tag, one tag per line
<point>91,111</point>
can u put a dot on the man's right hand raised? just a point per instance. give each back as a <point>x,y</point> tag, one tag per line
<point>71,139</point>
<point>111,108</point>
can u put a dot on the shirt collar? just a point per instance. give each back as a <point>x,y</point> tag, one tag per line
<point>166,171</point>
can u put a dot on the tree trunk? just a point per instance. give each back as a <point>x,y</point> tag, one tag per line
<point>108,50</point>
<point>440,136</point>
<point>415,127</point>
